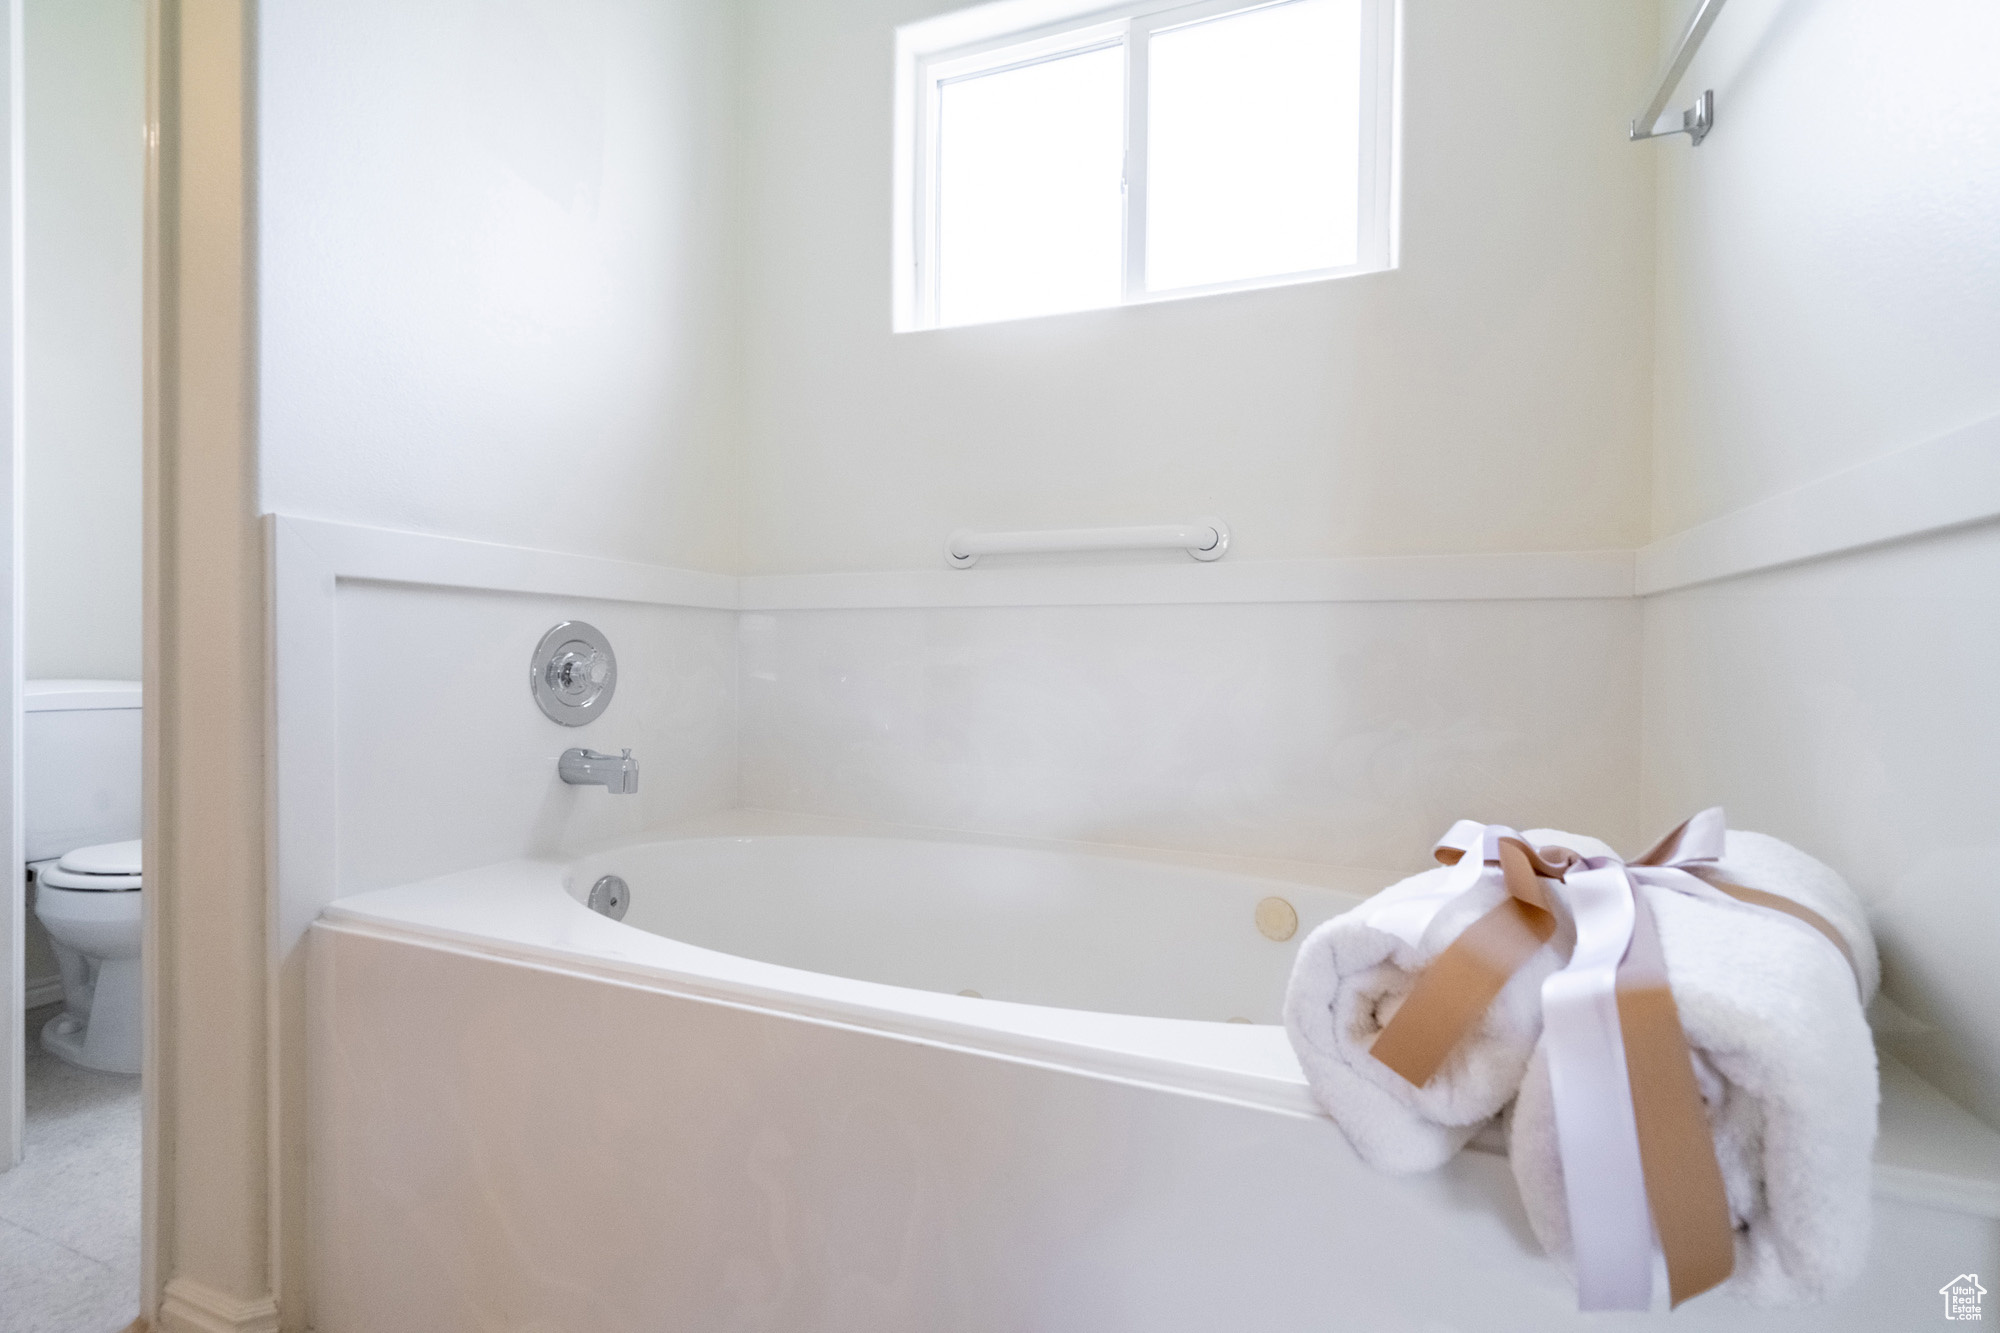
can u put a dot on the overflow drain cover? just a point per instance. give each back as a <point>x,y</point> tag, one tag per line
<point>611,897</point>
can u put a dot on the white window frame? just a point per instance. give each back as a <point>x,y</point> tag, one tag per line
<point>1012,33</point>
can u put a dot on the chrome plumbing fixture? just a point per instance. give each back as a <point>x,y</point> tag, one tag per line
<point>617,774</point>
<point>574,673</point>
<point>610,897</point>
<point>1697,120</point>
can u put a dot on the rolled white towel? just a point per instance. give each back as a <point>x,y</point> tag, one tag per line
<point>1773,1017</point>
<point>1348,980</point>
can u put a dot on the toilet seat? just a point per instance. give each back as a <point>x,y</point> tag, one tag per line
<point>110,867</point>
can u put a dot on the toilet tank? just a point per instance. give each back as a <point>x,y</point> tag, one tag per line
<point>80,764</point>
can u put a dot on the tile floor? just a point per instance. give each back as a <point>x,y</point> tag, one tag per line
<point>69,1213</point>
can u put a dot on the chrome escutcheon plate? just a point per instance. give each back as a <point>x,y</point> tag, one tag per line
<point>574,673</point>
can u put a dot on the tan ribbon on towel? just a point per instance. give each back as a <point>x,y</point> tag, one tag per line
<point>1684,1187</point>
<point>1460,983</point>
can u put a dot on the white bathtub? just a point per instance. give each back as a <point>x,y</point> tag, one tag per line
<point>1148,969</point>
<point>760,1101</point>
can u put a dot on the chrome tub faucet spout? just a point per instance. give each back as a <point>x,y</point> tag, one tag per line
<point>617,774</point>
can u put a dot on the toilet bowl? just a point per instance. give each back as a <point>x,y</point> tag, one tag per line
<point>88,901</point>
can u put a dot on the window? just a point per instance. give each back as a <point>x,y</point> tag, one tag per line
<point>1159,150</point>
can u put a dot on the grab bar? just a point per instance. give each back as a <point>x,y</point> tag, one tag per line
<point>1204,539</point>
<point>1699,119</point>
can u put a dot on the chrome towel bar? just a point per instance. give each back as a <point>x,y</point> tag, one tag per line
<point>1699,119</point>
<point>1204,539</point>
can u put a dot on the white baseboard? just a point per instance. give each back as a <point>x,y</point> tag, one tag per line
<point>40,991</point>
<point>191,1307</point>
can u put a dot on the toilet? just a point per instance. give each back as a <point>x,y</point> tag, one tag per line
<point>80,786</point>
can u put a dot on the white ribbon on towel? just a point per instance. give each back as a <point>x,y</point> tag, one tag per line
<point>1597,1133</point>
<point>1635,1186</point>
<point>1597,1136</point>
<point>1603,1173</point>
<point>1407,910</point>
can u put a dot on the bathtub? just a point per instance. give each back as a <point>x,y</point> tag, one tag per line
<point>830,1079</point>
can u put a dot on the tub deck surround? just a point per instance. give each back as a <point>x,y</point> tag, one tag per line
<point>593,1124</point>
<point>1452,719</point>
<point>1933,1158</point>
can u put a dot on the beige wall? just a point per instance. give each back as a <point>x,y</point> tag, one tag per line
<point>1829,293</point>
<point>494,271</point>
<point>85,116</point>
<point>1829,281</point>
<point>1492,394</point>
